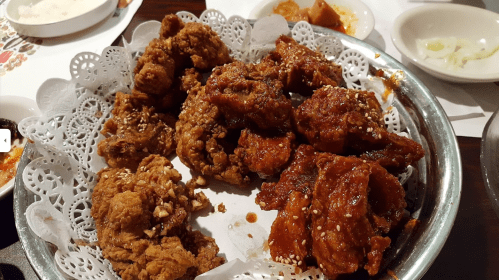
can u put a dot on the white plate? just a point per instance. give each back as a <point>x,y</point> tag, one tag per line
<point>365,23</point>
<point>15,108</point>
<point>58,28</point>
<point>449,20</point>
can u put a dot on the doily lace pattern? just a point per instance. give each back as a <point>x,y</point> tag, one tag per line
<point>74,112</point>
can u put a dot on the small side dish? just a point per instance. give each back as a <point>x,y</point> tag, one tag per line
<point>353,17</point>
<point>321,13</point>
<point>454,53</point>
<point>437,39</point>
<point>12,110</point>
<point>9,159</point>
<point>53,18</point>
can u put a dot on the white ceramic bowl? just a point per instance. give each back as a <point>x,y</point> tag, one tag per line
<point>449,20</point>
<point>57,28</point>
<point>15,108</point>
<point>365,23</point>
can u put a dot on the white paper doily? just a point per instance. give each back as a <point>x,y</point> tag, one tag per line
<point>67,134</point>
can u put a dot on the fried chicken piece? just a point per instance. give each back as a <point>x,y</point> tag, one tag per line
<point>246,97</point>
<point>289,239</point>
<point>142,222</point>
<point>179,46</point>
<point>205,145</point>
<point>201,45</point>
<point>392,151</point>
<point>332,210</point>
<point>386,199</point>
<point>343,235</point>
<point>306,70</point>
<point>299,176</point>
<point>155,69</point>
<point>135,131</point>
<point>340,120</point>
<point>170,26</point>
<point>182,84</point>
<point>265,153</point>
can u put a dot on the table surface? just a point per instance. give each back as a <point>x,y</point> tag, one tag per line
<point>471,250</point>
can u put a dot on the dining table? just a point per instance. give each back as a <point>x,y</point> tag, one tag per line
<point>471,251</point>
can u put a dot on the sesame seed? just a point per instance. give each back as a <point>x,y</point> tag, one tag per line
<point>315,211</point>
<point>262,203</point>
<point>323,234</point>
<point>299,263</point>
<point>295,217</point>
<point>303,242</point>
<point>271,242</point>
<point>319,228</point>
<point>348,215</point>
<point>338,228</point>
<point>304,208</point>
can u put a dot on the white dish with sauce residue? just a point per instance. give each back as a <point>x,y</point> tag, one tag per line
<point>365,17</point>
<point>57,27</point>
<point>15,108</point>
<point>443,23</point>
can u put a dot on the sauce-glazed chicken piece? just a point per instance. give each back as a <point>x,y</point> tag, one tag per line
<point>341,121</point>
<point>305,70</point>
<point>333,212</point>
<point>290,240</point>
<point>205,144</point>
<point>343,237</point>
<point>265,153</point>
<point>247,98</point>
<point>299,176</point>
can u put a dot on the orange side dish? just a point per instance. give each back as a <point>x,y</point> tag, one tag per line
<point>8,162</point>
<point>321,13</point>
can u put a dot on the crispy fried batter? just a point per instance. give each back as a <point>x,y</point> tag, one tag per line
<point>339,120</point>
<point>265,153</point>
<point>305,69</point>
<point>135,131</point>
<point>142,223</point>
<point>246,97</point>
<point>170,26</point>
<point>204,143</point>
<point>201,45</point>
<point>155,69</point>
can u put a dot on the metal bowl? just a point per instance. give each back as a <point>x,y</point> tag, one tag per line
<point>433,192</point>
<point>490,159</point>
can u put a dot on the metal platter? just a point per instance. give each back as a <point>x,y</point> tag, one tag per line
<point>490,160</point>
<point>433,192</point>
